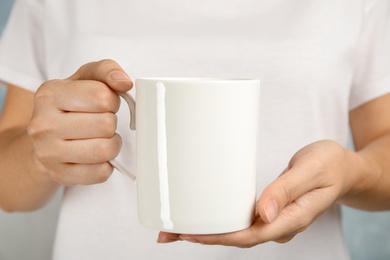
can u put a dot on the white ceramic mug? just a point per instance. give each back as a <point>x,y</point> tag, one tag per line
<point>196,153</point>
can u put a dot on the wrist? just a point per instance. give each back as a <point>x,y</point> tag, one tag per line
<point>363,174</point>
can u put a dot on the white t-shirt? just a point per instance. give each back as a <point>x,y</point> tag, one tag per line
<point>316,59</point>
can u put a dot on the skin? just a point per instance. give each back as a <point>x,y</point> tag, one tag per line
<point>70,136</point>
<point>319,175</point>
<point>66,140</point>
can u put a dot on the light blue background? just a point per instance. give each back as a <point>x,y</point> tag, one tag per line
<point>30,235</point>
<point>5,5</point>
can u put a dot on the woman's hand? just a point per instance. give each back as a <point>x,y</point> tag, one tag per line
<point>315,178</point>
<point>73,125</point>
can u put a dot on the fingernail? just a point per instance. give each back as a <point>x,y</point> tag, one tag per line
<point>119,75</point>
<point>271,210</point>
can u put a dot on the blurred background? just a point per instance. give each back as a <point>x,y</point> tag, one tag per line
<point>31,235</point>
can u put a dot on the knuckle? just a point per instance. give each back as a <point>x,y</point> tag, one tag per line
<point>36,128</point>
<point>99,173</point>
<point>46,157</point>
<point>43,152</point>
<point>105,65</point>
<point>103,173</point>
<point>301,215</point>
<point>250,239</point>
<point>74,174</point>
<point>106,100</point>
<point>105,150</point>
<point>92,70</point>
<point>41,155</point>
<point>118,144</point>
<point>107,124</point>
<point>45,91</point>
<point>288,191</point>
<point>96,70</point>
<point>303,223</point>
<point>40,127</point>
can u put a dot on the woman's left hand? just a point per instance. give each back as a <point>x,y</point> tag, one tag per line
<point>316,177</point>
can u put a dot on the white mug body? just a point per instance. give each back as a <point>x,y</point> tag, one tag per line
<point>196,153</point>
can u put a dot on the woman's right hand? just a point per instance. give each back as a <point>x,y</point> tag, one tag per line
<point>73,124</point>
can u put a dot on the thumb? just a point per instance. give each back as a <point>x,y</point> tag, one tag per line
<point>106,71</point>
<point>288,187</point>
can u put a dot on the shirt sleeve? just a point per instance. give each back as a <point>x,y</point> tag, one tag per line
<point>22,46</point>
<point>372,72</point>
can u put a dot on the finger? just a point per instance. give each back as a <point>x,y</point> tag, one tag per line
<point>76,96</point>
<point>87,151</point>
<point>72,126</point>
<point>85,174</point>
<point>258,233</point>
<point>164,237</point>
<point>106,71</point>
<point>294,218</point>
<point>287,188</point>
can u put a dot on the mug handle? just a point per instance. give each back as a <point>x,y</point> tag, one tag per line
<point>131,104</point>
